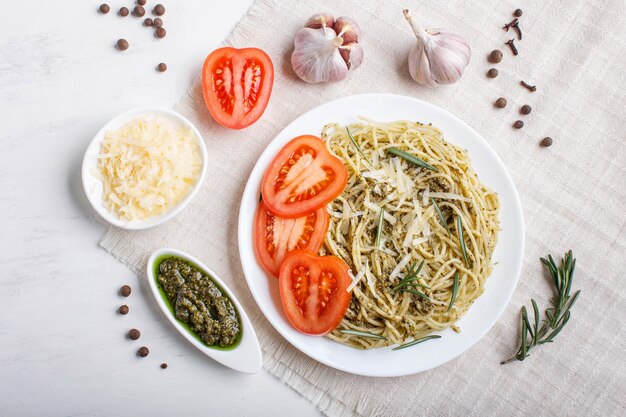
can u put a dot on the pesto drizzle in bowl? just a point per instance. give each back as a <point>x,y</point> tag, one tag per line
<point>201,306</point>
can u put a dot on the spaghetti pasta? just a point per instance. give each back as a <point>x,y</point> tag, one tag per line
<point>397,213</point>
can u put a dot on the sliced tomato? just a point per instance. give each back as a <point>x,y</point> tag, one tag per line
<point>275,237</point>
<point>237,84</point>
<point>313,291</point>
<point>303,177</point>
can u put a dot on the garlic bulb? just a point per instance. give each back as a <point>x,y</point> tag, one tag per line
<point>326,50</point>
<point>438,57</point>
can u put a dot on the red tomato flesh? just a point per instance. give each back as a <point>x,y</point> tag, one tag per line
<point>275,237</point>
<point>236,85</point>
<point>303,177</point>
<point>313,291</point>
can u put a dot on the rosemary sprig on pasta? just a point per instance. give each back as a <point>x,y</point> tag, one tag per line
<point>408,191</point>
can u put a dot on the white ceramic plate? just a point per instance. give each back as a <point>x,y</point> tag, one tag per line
<point>498,289</point>
<point>246,356</point>
<point>93,186</point>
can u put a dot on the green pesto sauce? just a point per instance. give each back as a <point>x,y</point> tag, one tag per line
<point>199,304</point>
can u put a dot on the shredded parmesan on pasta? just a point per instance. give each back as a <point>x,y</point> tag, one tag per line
<point>412,233</point>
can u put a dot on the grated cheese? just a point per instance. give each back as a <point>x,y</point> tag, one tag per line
<point>147,166</point>
<point>355,279</point>
<point>401,265</point>
<point>425,196</point>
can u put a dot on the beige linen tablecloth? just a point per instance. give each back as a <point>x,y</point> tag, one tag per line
<point>573,195</point>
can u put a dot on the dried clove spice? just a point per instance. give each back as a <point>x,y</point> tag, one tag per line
<point>511,44</point>
<point>528,86</point>
<point>515,25</point>
<point>517,30</point>
<point>507,26</point>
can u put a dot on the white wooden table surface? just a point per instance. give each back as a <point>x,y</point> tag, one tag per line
<point>63,350</point>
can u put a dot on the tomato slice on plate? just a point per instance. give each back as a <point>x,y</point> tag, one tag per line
<point>303,177</point>
<point>236,85</point>
<point>313,291</point>
<point>275,237</point>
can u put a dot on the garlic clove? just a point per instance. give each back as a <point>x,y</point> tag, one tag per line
<point>316,58</point>
<point>320,20</point>
<point>352,54</point>
<point>419,66</point>
<point>347,29</point>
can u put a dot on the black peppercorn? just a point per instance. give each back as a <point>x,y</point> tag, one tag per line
<point>139,11</point>
<point>148,22</point>
<point>492,73</point>
<point>141,2</point>
<point>525,109</point>
<point>104,8</point>
<point>125,289</point>
<point>123,309</point>
<point>500,103</point>
<point>143,351</point>
<point>163,366</point>
<point>123,11</point>
<point>545,142</point>
<point>160,32</point>
<point>518,124</point>
<point>517,13</point>
<point>134,334</point>
<point>162,67</point>
<point>495,56</point>
<point>158,22</point>
<point>159,10</point>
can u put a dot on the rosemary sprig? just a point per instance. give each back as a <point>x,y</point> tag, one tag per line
<point>411,158</point>
<point>557,316</point>
<point>410,283</point>
<point>381,216</point>
<point>440,213</point>
<point>417,341</point>
<point>416,292</point>
<point>356,145</point>
<point>459,230</point>
<point>362,334</point>
<point>410,279</point>
<point>455,290</point>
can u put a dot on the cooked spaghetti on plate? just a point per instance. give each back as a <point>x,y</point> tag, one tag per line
<point>415,225</point>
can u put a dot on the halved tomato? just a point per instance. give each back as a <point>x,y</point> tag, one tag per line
<point>313,290</point>
<point>274,236</point>
<point>236,85</point>
<point>303,177</point>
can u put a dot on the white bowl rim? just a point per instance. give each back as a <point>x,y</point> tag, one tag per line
<point>88,178</point>
<point>245,357</point>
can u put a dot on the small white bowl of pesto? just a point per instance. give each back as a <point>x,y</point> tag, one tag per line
<point>203,309</point>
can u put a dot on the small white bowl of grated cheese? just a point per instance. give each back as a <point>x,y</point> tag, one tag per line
<point>143,167</point>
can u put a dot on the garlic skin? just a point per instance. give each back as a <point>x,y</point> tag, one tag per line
<point>438,57</point>
<point>326,50</point>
